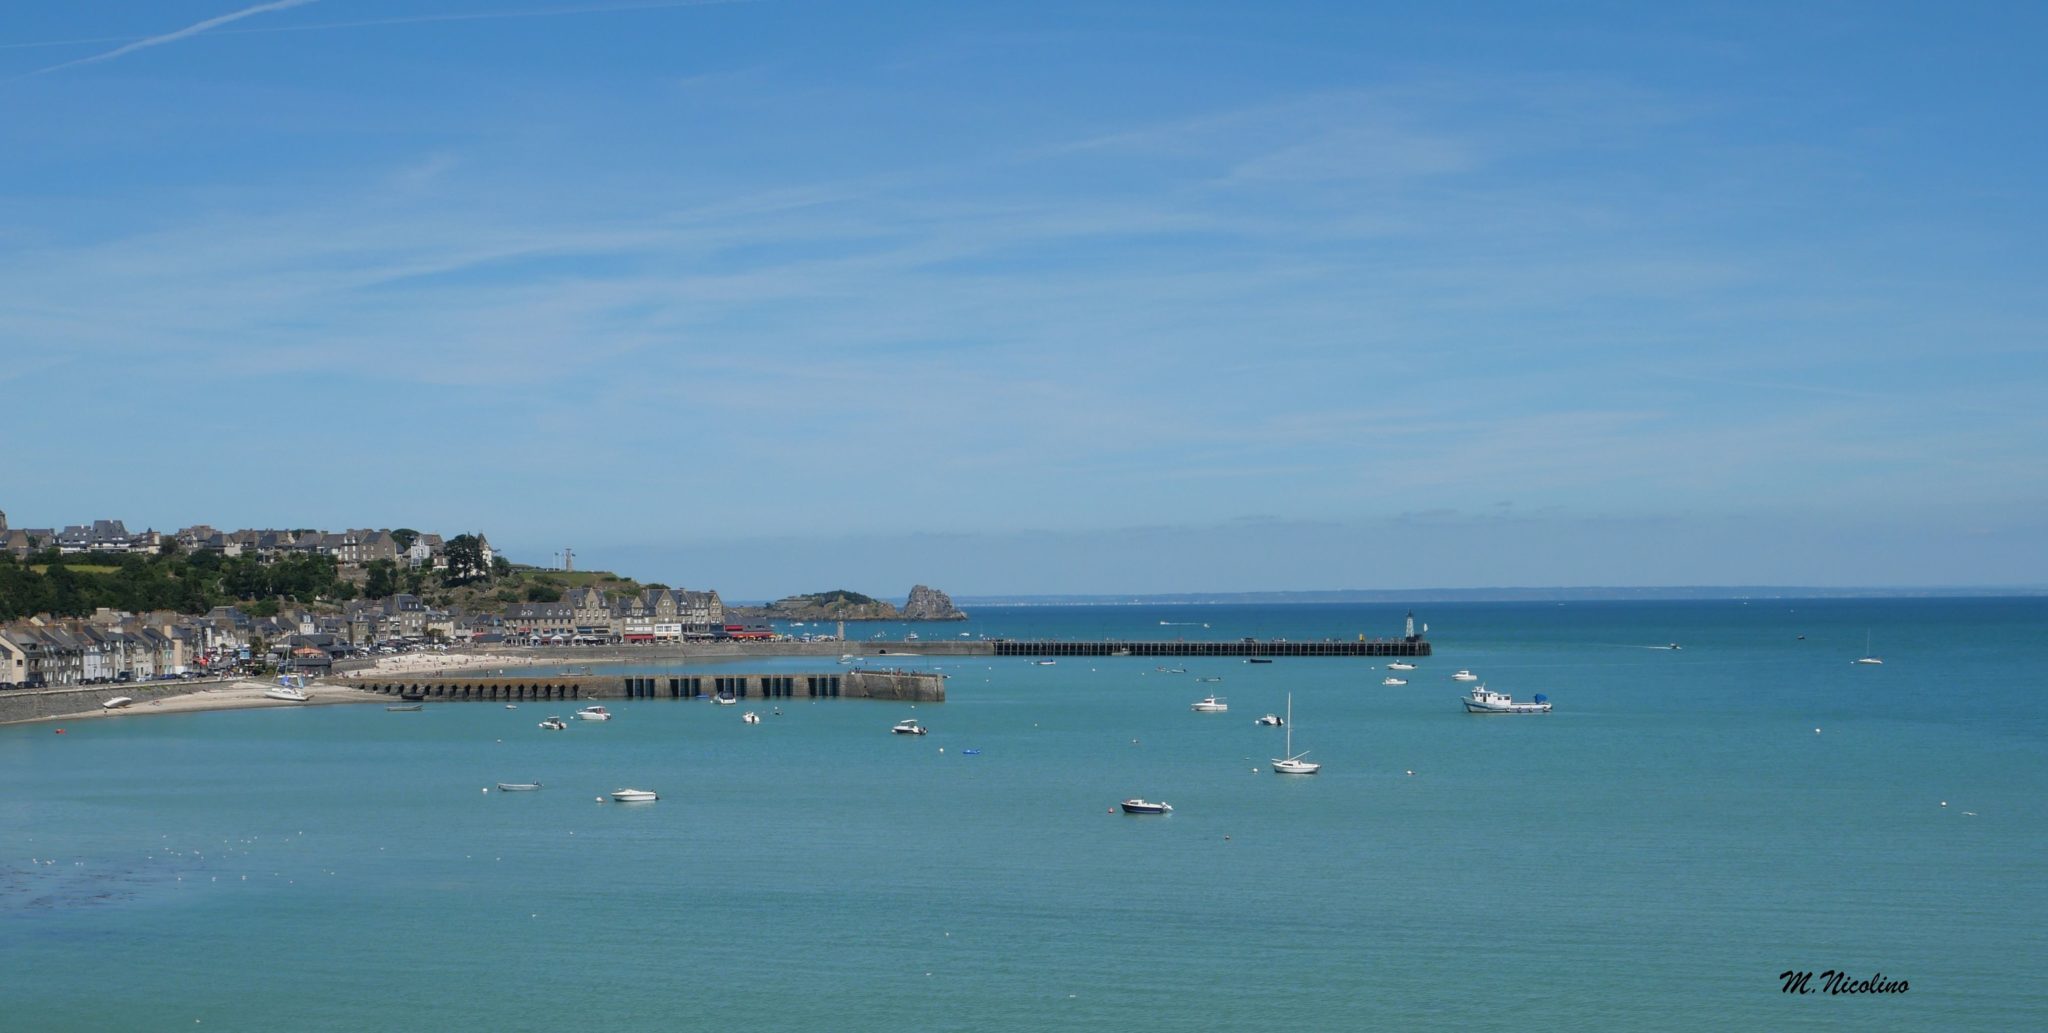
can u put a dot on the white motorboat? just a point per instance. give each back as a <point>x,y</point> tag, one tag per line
<point>1400,665</point>
<point>909,727</point>
<point>635,795</point>
<point>554,724</point>
<point>117,703</point>
<point>1485,701</point>
<point>1393,681</point>
<point>726,699</point>
<point>751,718</point>
<point>518,787</point>
<point>1044,663</point>
<point>1270,721</point>
<point>1209,705</point>
<point>1291,763</point>
<point>1464,675</point>
<point>593,713</point>
<point>1137,806</point>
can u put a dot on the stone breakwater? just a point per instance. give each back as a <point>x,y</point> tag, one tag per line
<point>514,686</point>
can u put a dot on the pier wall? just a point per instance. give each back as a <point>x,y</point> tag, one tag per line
<point>517,688</point>
<point>73,700</point>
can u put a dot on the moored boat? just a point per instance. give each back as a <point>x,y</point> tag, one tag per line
<point>1138,806</point>
<point>1209,705</point>
<point>1464,675</point>
<point>554,724</point>
<point>1486,701</point>
<point>1400,665</point>
<point>909,727</point>
<point>593,713</point>
<point>518,787</point>
<point>1291,763</point>
<point>751,718</point>
<point>635,795</point>
<point>404,708</point>
<point>1270,721</point>
<point>1393,681</point>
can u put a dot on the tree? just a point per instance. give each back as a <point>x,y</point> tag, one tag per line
<point>501,567</point>
<point>405,536</point>
<point>465,554</point>
<point>382,582</point>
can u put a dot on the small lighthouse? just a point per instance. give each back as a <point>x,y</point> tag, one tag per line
<point>1409,632</point>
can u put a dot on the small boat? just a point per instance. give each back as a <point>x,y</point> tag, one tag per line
<point>635,795</point>
<point>117,703</point>
<point>1044,663</point>
<point>912,637</point>
<point>1209,705</point>
<point>554,724</point>
<point>909,727</point>
<point>1868,656</point>
<point>1393,681</point>
<point>1464,675</point>
<point>846,658</point>
<point>1258,660</point>
<point>1205,678</point>
<point>1292,764</point>
<point>404,708</point>
<point>1400,665</point>
<point>726,699</point>
<point>1674,646</point>
<point>1270,721</point>
<point>287,693</point>
<point>751,718</point>
<point>593,713</point>
<point>1171,670</point>
<point>970,752</point>
<point>1484,701</point>
<point>518,787</point>
<point>1137,806</point>
<point>511,706</point>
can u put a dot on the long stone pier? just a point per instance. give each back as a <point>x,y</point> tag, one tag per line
<point>913,686</point>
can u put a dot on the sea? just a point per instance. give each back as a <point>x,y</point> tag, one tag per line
<point>1686,833</point>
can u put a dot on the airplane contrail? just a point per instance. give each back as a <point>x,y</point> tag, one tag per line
<point>413,19</point>
<point>193,29</point>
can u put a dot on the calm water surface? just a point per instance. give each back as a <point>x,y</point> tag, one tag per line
<point>1649,857</point>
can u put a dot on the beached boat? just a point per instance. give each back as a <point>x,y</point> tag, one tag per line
<point>404,708</point>
<point>1291,763</point>
<point>1137,806</point>
<point>593,713</point>
<point>1485,701</point>
<point>117,703</point>
<point>286,692</point>
<point>909,727</point>
<point>518,787</point>
<point>1209,705</point>
<point>1464,675</point>
<point>1393,681</point>
<point>554,724</point>
<point>634,795</point>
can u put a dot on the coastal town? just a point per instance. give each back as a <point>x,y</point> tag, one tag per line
<point>117,646</point>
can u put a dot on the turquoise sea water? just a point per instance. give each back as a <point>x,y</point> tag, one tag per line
<point>1649,857</point>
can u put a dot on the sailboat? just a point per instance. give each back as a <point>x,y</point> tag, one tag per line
<point>1868,657</point>
<point>1292,764</point>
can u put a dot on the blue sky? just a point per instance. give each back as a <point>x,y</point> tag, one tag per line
<point>774,297</point>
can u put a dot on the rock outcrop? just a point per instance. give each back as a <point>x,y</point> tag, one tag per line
<point>930,604</point>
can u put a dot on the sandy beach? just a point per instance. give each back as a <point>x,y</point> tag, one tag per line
<point>234,695</point>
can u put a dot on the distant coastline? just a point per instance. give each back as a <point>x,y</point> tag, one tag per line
<point>1507,595</point>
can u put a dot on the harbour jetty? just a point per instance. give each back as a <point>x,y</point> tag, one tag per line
<point>911,686</point>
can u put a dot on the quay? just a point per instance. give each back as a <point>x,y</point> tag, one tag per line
<point>910,686</point>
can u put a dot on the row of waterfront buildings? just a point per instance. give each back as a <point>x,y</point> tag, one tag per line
<point>113,646</point>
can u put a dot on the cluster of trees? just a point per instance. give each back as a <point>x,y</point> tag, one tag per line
<point>73,586</point>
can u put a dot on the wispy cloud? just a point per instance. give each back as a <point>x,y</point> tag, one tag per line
<point>360,23</point>
<point>188,31</point>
